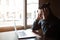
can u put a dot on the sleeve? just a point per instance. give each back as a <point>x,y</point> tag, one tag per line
<point>36,26</point>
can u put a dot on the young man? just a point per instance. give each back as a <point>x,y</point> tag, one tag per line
<point>48,23</point>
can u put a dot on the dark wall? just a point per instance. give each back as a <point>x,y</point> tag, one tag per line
<point>55,6</point>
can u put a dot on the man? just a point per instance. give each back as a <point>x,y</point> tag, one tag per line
<point>48,23</point>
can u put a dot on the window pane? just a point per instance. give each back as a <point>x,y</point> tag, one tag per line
<point>32,6</point>
<point>11,11</point>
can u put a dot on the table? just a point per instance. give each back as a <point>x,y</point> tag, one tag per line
<point>27,35</point>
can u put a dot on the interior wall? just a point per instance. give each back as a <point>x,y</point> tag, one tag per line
<point>55,6</point>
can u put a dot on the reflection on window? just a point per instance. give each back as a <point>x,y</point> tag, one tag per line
<point>32,6</point>
<point>11,10</point>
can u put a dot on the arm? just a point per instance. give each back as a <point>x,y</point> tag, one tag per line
<point>36,27</point>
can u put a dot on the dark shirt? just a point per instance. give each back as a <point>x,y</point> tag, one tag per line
<point>51,28</point>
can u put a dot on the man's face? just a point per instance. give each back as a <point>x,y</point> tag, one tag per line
<point>43,13</point>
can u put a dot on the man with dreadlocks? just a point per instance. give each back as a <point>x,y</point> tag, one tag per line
<point>48,23</point>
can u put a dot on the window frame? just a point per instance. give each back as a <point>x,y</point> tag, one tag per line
<point>24,17</point>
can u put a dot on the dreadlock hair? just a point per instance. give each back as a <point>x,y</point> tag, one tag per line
<point>50,14</point>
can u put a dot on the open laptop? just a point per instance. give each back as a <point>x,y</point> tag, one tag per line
<point>26,35</point>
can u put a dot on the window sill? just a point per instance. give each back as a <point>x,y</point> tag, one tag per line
<point>11,28</point>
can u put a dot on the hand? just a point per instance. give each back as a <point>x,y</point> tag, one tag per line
<point>40,14</point>
<point>38,32</point>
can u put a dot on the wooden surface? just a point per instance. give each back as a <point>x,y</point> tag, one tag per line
<point>11,35</point>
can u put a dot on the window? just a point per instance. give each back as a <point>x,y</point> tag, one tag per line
<point>12,12</point>
<point>32,6</point>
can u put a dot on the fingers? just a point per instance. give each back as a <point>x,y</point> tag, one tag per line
<point>40,13</point>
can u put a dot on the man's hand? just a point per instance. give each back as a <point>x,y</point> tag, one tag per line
<point>40,14</point>
<point>38,32</point>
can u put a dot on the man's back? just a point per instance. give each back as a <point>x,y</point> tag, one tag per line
<point>54,30</point>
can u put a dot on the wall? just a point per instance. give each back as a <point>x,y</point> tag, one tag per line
<point>55,5</point>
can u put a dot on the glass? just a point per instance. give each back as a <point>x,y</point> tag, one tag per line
<point>32,6</point>
<point>11,11</point>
